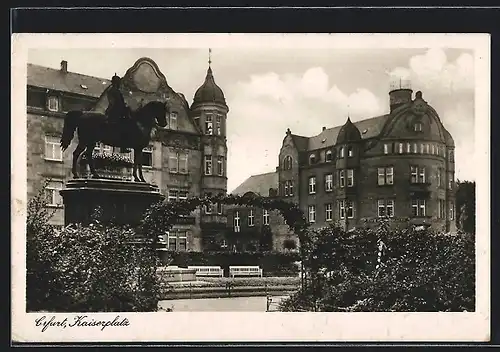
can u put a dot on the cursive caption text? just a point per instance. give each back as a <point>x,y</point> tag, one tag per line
<point>46,322</point>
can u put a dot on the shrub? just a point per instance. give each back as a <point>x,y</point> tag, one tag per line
<point>87,269</point>
<point>419,271</point>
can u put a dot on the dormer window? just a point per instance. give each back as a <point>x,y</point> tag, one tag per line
<point>350,152</point>
<point>312,159</point>
<point>53,104</point>
<point>417,127</point>
<point>341,153</point>
<point>328,156</point>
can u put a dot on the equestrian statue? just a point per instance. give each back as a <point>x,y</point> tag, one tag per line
<point>119,126</point>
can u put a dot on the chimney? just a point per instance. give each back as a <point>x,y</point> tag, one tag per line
<point>64,66</point>
<point>324,128</point>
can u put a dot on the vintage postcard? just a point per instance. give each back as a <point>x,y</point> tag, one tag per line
<point>250,187</point>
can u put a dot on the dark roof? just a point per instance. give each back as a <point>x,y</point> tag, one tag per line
<point>258,184</point>
<point>448,138</point>
<point>46,77</point>
<point>348,133</point>
<point>300,142</point>
<point>209,92</point>
<point>369,128</point>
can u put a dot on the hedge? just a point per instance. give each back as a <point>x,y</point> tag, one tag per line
<point>271,263</point>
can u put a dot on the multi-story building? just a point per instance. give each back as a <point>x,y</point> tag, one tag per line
<point>399,165</point>
<point>186,158</point>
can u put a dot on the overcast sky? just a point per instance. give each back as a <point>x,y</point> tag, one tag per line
<point>268,91</point>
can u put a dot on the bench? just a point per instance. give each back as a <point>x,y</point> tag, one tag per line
<point>208,270</point>
<point>245,271</point>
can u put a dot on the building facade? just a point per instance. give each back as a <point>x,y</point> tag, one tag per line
<point>399,166</point>
<point>186,158</point>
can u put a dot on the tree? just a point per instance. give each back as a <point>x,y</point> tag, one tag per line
<point>91,268</point>
<point>466,206</point>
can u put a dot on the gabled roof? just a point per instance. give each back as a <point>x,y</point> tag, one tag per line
<point>369,128</point>
<point>258,184</point>
<point>46,77</point>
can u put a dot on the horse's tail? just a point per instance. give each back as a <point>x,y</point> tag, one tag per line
<point>70,125</point>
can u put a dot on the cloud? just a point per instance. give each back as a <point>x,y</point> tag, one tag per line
<point>433,71</point>
<point>265,105</point>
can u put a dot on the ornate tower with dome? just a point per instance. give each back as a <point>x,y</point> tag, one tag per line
<point>209,111</point>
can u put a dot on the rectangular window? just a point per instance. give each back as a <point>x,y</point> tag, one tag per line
<point>287,192</point>
<point>265,217</point>
<point>386,148</point>
<point>53,104</point>
<point>350,209</point>
<point>400,148</point>
<point>385,208</point>
<point>418,127</point>
<point>328,182</point>
<point>381,176</point>
<point>183,163</point>
<point>427,148</point>
<point>438,176</point>
<point>385,176</point>
<point>328,212</point>
<point>415,148</point>
<point>172,195</point>
<point>220,165</point>
<point>236,221</point>
<point>182,241</point>
<point>414,174</point>
<point>173,120</point>
<point>381,208</point>
<point>421,175</point>
<point>432,149</point>
<point>408,147</point>
<point>422,147</point>
<point>390,207</point>
<point>290,187</point>
<point>183,195</point>
<point>53,148</point>
<point>147,156</point>
<point>342,209</point>
<point>418,207</point>
<point>173,162</point>
<point>175,194</point>
<point>350,177</point>
<point>441,209</point>
<point>350,152</point>
<point>53,197</point>
<point>251,218</point>
<point>172,241</point>
<point>341,154</point>
<point>341,179</point>
<point>208,164</point>
<point>208,208</point>
<point>208,124</point>
<point>452,211</point>
<point>218,124</point>
<point>312,213</point>
<point>219,208</point>
<point>450,182</point>
<point>312,185</point>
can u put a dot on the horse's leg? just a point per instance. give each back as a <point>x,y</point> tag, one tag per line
<point>88,153</point>
<point>141,176</point>
<point>76,154</point>
<point>137,160</point>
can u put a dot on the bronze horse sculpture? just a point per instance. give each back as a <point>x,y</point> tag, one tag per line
<point>93,127</point>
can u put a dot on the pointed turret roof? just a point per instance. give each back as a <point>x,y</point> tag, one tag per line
<point>209,92</point>
<point>348,133</point>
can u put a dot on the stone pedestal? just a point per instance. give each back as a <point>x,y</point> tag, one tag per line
<point>122,202</point>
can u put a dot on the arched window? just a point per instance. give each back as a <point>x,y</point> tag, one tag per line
<point>312,159</point>
<point>287,163</point>
<point>328,155</point>
<point>341,153</point>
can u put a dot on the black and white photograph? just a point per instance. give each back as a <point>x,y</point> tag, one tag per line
<point>169,186</point>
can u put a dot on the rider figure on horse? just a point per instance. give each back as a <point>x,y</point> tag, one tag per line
<point>117,110</point>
